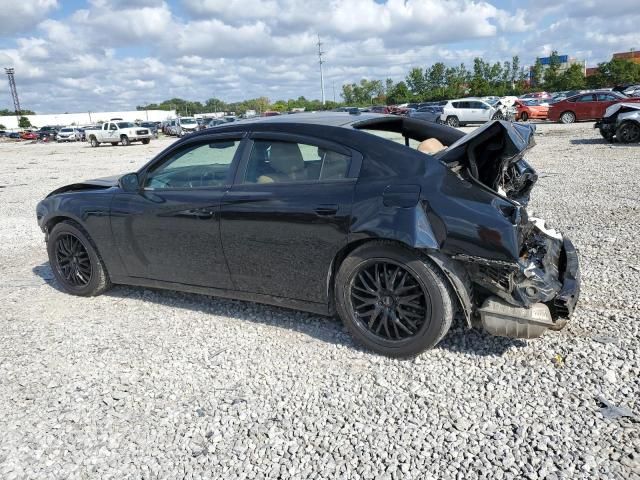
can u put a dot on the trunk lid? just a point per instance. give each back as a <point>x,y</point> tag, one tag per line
<point>493,156</point>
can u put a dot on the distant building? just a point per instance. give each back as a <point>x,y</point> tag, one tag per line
<point>591,71</point>
<point>632,55</point>
<point>565,63</point>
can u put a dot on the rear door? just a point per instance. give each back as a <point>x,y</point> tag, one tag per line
<point>585,107</point>
<point>288,214</point>
<point>603,101</point>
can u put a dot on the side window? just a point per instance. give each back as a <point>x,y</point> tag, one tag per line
<point>275,161</point>
<point>606,97</point>
<point>456,104</point>
<point>105,126</point>
<point>199,165</point>
<point>112,126</point>
<point>585,98</point>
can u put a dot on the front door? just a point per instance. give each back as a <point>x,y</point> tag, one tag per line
<point>170,229</point>
<point>288,215</point>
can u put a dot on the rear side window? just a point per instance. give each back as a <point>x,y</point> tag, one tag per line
<point>606,97</point>
<point>276,161</point>
<point>585,98</point>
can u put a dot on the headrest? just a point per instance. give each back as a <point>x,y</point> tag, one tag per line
<point>286,157</point>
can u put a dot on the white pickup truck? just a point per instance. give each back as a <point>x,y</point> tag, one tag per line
<point>118,131</point>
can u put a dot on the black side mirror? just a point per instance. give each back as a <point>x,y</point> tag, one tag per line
<point>130,183</point>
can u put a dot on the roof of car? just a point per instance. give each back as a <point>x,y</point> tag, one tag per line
<point>333,119</point>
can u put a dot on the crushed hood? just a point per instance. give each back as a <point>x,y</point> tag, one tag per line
<point>95,184</point>
<point>493,155</point>
<point>616,107</point>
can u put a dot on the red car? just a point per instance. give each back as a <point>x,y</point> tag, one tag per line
<point>585,106</point>
<point>531,109</point>
<point>28,136</point>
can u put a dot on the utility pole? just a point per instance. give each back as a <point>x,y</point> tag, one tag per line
<point>14,93</point>
<point>334,92</point>
<point>320,61</point>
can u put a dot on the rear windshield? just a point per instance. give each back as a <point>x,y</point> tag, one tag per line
<point>125,125</point>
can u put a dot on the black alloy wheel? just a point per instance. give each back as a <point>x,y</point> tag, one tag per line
<point>453,121</point>
<point>75,261</point>
<point>628,132</point>
<point>388,300</point>
<point>393,299</point>
<point>72,261</point>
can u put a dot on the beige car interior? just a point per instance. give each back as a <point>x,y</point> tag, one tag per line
<point>431,146</point>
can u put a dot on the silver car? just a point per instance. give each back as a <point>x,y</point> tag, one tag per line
<point>457,113</point>
<point>429,113</point>
<point>69,134</point>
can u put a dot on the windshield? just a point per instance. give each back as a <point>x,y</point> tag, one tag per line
<point>125,125</point>
<point>67,130</point>
<point>187,121</point>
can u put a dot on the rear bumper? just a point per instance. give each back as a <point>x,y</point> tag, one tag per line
<point>507,320</point>
<point>565,301</point>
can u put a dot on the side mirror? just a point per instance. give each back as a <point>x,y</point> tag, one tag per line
<point>130,183</point>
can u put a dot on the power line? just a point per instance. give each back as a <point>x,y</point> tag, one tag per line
<point>14,93</point>
<point>320,61</point>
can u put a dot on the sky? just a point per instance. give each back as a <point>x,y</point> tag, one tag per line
<point>111,55</point>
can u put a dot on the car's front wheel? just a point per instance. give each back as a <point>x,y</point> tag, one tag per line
<point>75,262</point>
<point>568,117</point>
<point>393,300</point>
<point>453,121</point>
<point>94,142</point>
<point>628,132</point>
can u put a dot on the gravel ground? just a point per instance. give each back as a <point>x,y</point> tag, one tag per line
<point>152,384</point>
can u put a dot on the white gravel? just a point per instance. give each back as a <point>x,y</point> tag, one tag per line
<point>154,384</point>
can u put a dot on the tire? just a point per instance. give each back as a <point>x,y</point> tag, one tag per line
<point>524,116</point>
<point>606,135</point>
<point>567,117</point>
<point>420,299</point>
<point>628,132</point>
<point>94,142</point>
<point>453,121</point>
<point>145,141</point>
<point>114,143</point>
<point>498,116</point>
<point>125,141</point>
<point>69,240</point>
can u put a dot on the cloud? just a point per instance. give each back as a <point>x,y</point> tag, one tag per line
<point>116,54</point>
<point>21,16</point>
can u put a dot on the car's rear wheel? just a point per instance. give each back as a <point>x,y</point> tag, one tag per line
<point>393,300</point>
<point>453,121</point>
<point>628,132</point>
<point>125,140</point>
<point>145,141</point>
<point>114,143</point>
<point>94,142</point>
<point>568,117</point>
<point>75,262</point>
<point>524,116</point>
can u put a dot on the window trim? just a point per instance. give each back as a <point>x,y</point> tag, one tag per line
<point>352,174</point>
<point>167,154</point>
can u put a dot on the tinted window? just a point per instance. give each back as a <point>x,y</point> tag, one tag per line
<point>585,98</point>
<point>273,161</point>
<point>200,165</point>
<point>606,97</point>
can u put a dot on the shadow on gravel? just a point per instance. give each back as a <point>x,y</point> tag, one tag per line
<point>601,141</point>
<point>326,329</point>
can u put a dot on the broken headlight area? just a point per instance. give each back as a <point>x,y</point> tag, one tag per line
<point>538,292</point>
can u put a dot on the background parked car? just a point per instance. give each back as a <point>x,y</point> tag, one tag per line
<point>69,134</point>
<point>48,131</point>
<point>153,128</point>
<point>28,135</point>
<point>466,110</point>
<point>531,109</point>
<point>429,114</point>
<point>586,106</point>
<point>15,135</point>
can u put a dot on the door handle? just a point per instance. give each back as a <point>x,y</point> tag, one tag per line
<point>326,210</point>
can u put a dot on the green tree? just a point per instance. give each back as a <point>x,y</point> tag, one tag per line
<point>399,94</point>
<point>572,78</point>
<point>552,72</point>
<point>417,83</point>
<point>2,127</point>
<point>24,122</point>
<point>537,73</point>
<point>5,112</point>
<point>619,71</point>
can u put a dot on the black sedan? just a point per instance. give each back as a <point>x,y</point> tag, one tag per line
<point>327,213</point>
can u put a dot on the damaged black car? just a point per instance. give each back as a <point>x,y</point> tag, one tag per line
<point>395,224</point>
<point>621,122</point>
